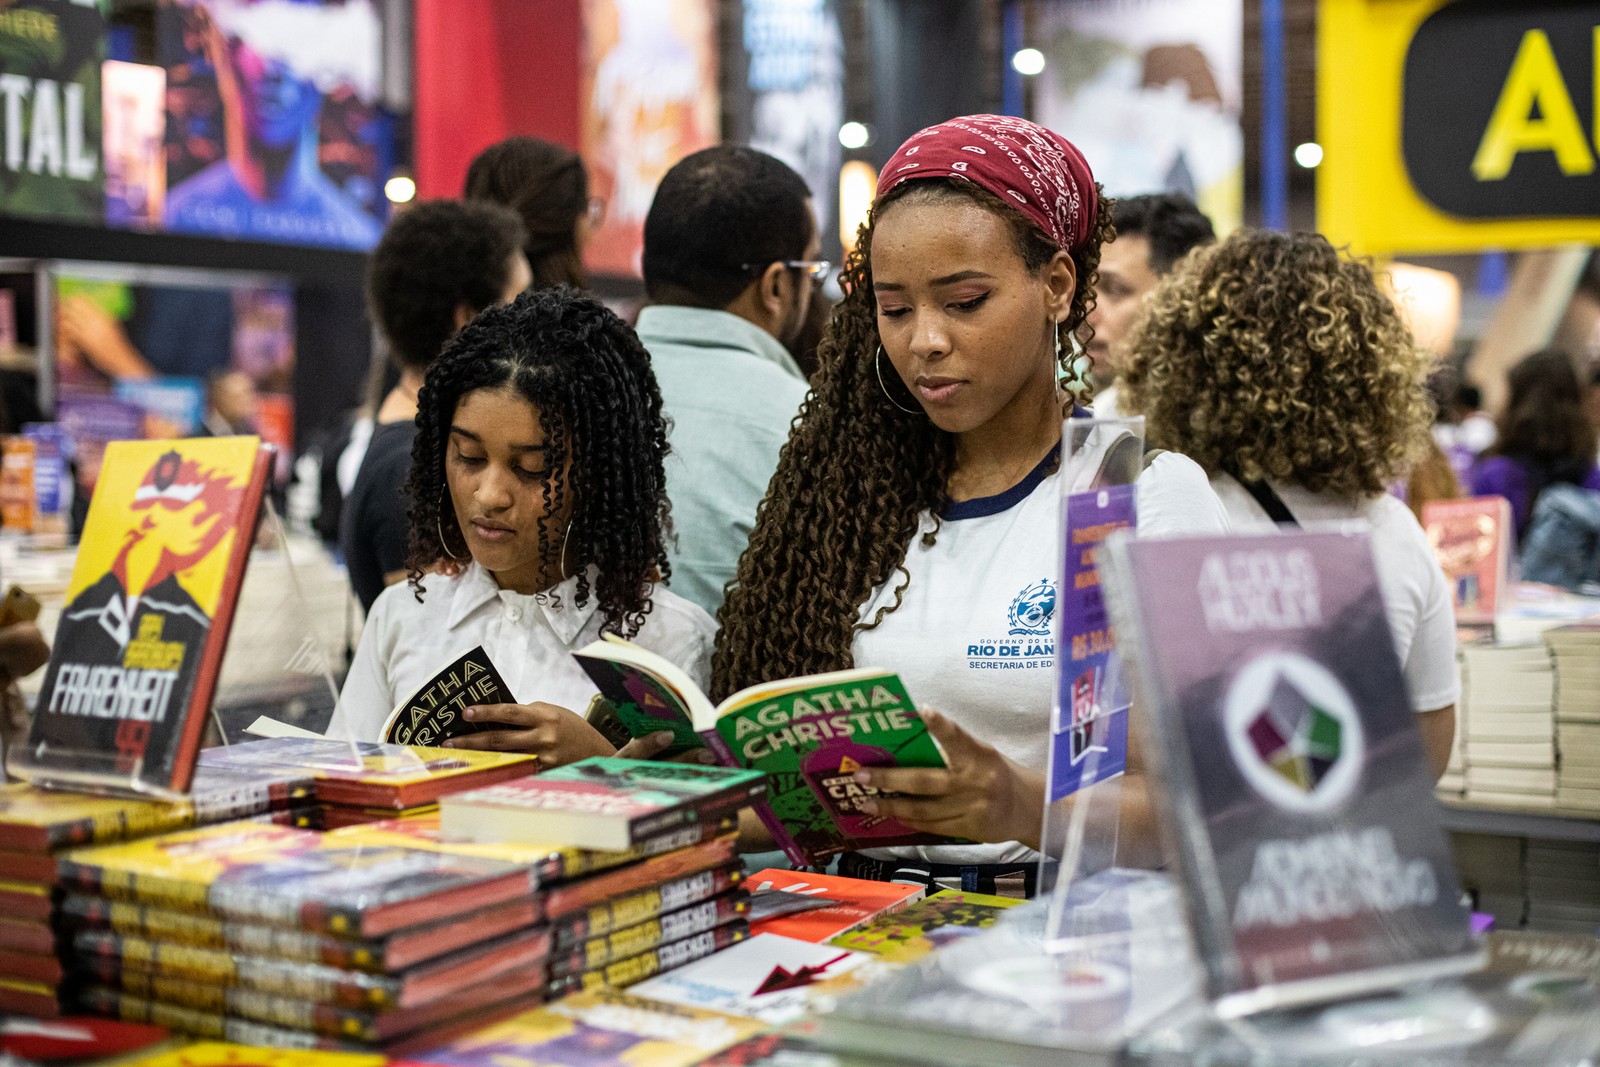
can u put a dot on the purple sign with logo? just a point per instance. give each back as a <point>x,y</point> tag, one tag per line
<point>1089,729</point>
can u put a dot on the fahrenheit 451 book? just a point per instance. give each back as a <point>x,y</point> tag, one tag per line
<point>149,606</point>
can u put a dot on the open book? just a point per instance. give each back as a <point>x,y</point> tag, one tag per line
<point>808,734</point>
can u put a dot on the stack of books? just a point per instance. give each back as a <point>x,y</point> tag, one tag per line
<point>272,935</point>
<point>1564,886</point>
<point>359,782</point>
<point>1508,721</point>
<point>37,825</point>
<point>671,890</point>
<point>1576,651</point>
<point>647,905</point>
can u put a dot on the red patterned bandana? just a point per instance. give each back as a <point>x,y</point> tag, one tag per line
<point>1021,162</point>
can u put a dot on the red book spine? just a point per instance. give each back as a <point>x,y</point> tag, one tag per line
<point>221,624</point>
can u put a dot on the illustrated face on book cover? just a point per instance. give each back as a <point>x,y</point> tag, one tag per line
<point>176,537</point>
<point>1462,542</point>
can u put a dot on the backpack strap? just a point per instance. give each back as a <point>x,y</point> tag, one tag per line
<point>1269,500</point>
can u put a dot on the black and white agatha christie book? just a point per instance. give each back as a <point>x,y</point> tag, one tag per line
<point>1288,770</point>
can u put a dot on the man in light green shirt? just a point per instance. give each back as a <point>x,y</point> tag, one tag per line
<point>730,261</point>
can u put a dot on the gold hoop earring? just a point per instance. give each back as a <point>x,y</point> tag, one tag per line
<point>561,573</point>
<point>438,522</point>
<point>877,365</point>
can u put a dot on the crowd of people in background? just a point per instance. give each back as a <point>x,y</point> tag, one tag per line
<point>533,471</point>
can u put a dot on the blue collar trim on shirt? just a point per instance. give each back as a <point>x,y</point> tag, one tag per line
<point>982,506</point>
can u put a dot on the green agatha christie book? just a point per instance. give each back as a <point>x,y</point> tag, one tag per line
<point>809,735</point>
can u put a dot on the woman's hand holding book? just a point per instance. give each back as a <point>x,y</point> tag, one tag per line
<point>981,795</point>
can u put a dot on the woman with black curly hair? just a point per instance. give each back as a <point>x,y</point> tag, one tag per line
<point>537,520</point>
<point>913,522</point>
<point>1283,369</point>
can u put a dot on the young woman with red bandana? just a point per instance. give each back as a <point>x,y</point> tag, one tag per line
<point>913,522</point>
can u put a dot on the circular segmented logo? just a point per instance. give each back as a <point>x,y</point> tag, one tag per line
<point>1293,732</point>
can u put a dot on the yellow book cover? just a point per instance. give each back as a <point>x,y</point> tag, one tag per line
<point>37,820</point>
<point>549,863</point>
<point>603,1026</point>
<point>177,870</point>
<point>295,879</point>
<point>422,831</point>
<point>366,774</point>
<point>937,920</point>
<point>43,820</point>
<point>219,1054</point>
<point>148,608</point>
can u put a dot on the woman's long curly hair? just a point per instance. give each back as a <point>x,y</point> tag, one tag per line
<point>857,473</point>
<point>589,379</point>
<point>1270,355</point>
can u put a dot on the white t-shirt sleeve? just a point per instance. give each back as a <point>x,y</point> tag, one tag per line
<point>681,631</point>
<point>1175,497</point>
<point>368,697</point>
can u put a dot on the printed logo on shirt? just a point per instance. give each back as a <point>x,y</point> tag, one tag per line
<point>1033,609</point>
<point>1029,641</point>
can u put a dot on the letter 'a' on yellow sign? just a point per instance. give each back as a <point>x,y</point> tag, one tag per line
<point>1458,125</point>
<point>1534,114</point>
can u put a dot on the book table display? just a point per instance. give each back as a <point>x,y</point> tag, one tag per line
<point>303,901</point>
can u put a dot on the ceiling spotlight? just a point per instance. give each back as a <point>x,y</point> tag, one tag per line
<point>1308,155</point>
<point>854,135</point>
<point>400,190</point>
<point>1028,62</point>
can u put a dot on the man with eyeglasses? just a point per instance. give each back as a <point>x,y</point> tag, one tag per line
<point>730,264</point>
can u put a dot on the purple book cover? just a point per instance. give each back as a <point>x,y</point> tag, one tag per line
<point>1089,738</point>
<point>1289,770</point>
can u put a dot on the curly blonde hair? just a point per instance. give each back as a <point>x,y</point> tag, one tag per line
<point>1270,355</point>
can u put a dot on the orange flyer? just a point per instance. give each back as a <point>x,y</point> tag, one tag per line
<point>852,901</point>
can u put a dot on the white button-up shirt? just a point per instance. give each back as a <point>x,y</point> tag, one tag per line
<point>530,639</point>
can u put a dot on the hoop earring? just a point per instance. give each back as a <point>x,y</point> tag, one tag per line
<point>562,564</point>
<point>877,365</point>
<point>1061,355</point>
<point>438,522</point>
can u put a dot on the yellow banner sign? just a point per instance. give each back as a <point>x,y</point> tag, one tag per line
<point>1458,125</point>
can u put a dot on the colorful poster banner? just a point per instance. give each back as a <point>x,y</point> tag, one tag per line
<point>50,56</point>
<point>272,128</point>
<point>134,102</point>
<point>1426,153</point>
<point>793,99</point>
<point>649,98</point>
<point>1150,91</point>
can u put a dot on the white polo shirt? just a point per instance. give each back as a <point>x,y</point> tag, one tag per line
<point>530,639</point>
<point>971,637</point>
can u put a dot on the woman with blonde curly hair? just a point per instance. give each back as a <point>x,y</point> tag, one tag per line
<point>913,521</point>
<point>1283,369</point>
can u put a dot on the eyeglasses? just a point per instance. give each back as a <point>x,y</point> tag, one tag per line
<point>815,269</point>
